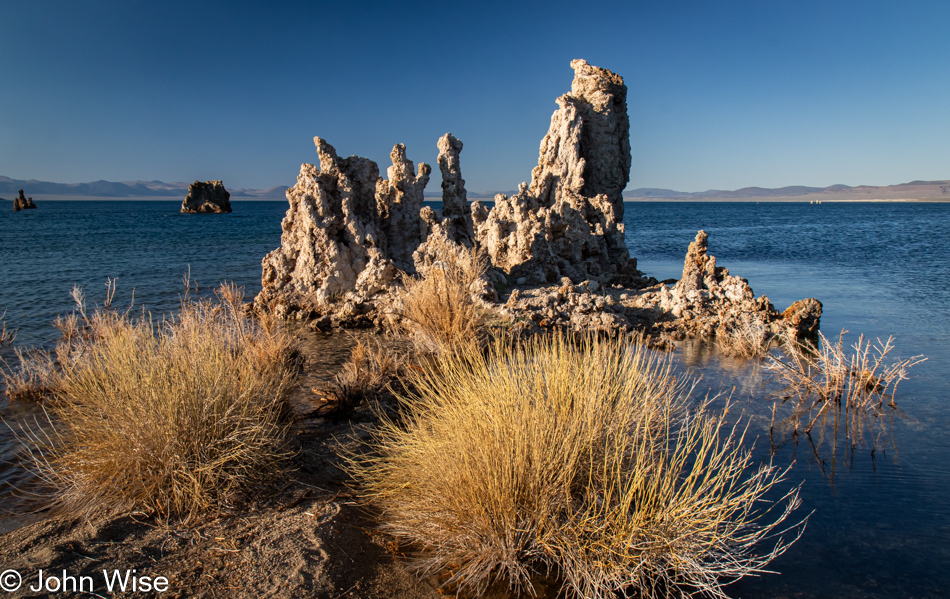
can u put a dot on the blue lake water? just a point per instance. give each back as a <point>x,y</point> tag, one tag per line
<point>881,522</point>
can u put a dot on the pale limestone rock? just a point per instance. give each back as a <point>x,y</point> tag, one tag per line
<point>399,201</point>
<point>346,232</point>
<point>455,207</point>
<point>451,231</point>
<point>709,300</point>
<point>569,221</point>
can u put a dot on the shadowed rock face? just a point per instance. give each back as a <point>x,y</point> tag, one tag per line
<point>455,207</point>
<point>451,231</point>
<point>208,197</point>
<point>569,221</point>
<point>399,201</point>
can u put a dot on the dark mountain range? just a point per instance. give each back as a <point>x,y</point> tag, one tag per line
<point>124,189</point>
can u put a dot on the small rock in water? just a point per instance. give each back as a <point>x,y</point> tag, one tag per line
<point>803,316</point>
<point>23,203</point>
<point>206,197</point>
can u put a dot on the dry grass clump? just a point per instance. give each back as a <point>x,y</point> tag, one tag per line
<point>578,461</point>
<point>848,386</point>
<point>745,337</point>
<point>366,374</point>
<point>174,419</point>
<point>34,378</point>
<point>7,336</point>
<point>439,309</point>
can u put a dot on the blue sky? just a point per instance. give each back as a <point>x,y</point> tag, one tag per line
<point>722,94</point>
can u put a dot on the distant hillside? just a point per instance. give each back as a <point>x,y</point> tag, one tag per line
<point>124,189</point>
<point>915,190</point>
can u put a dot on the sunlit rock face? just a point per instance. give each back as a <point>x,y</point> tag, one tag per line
<point>569,220</point>
<point>347,231</point>
<point>708,301</point>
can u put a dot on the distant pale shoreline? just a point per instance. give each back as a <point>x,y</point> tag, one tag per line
<point>792,199</point>
<point>774,199</point>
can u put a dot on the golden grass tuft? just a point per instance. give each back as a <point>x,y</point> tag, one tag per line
<point>746,337</point>
<point>439,309</point>
<point>34,378</point>
<point>7,336</point>
<point>366,374</point>
<point>175,419</point>
<point>581,461</point>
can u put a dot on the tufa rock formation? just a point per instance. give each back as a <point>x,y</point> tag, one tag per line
<point>803,316</point>
<point>399,202</point>
<point>206,197</point>
<point>706,302</point>
<point>569,221</point>
<point>448,232</point>
<point>23,203</point>
<point>346,234</point>
<point>455,207</point>
<point>349,235</point>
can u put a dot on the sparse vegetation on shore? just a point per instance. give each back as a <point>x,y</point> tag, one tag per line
<point>174,418</point>
<point>746,337</point>
<point>580,461</point>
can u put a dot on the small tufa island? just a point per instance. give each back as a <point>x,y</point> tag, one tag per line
<point>23,203</point>
<point>556,249</point>
<point>206,197</point>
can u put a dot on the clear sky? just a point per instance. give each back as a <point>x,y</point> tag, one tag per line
<point>722,94</point>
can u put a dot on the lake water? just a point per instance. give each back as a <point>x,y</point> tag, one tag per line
<point>881,521</point>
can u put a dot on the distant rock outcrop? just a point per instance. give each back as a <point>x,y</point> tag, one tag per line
<point>23,203</point>
<point>206,197</point>
<point>569,221</point>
